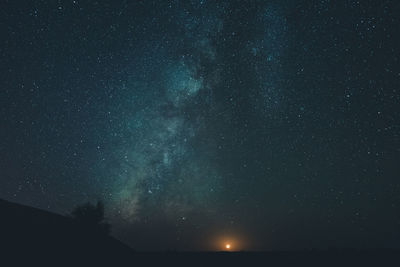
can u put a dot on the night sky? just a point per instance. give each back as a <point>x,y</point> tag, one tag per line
<point>266,124</point>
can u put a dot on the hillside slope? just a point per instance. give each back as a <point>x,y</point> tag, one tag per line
<point>28,233</point>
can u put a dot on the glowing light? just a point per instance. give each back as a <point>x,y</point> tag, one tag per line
<point>228,242</point>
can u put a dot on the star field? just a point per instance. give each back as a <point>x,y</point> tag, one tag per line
<point>272,123</point>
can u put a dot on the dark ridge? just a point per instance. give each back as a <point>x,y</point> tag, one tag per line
<point>28,233</point>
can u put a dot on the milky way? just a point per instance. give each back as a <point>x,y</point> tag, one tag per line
<point>161,165</point>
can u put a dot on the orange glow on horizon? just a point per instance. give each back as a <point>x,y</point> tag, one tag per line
<point>228,241</point>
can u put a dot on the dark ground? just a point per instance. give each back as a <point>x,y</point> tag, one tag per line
<point>35,237</point>
<point>310,258</point>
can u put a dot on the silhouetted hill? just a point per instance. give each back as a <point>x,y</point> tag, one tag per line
<point>28,233</point>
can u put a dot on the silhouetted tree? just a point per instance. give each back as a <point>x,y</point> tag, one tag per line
<point>91,216</point>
